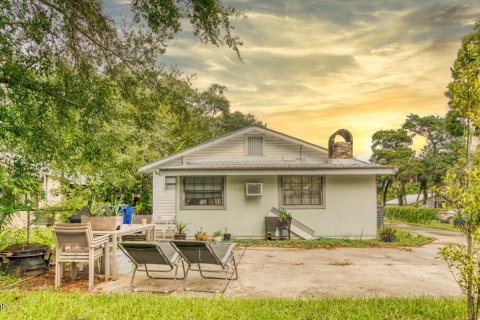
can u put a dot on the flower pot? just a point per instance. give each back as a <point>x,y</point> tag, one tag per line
<point>201,238</point>
<point>137,218</point>
<point>388,238</point>
<point>103,223</point>
<point>218,239</point>
<point>227,236</point>
<point>283,233</point>
<point>180,236</point>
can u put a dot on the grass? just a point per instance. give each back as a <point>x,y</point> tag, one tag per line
<point>19,236</point>
<point>435,224</point>
<point>403,239</point>
<point>52,305</point>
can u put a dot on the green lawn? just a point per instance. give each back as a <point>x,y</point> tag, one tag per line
<point>404,239</point>
<point>51,305</point>
<point>430,224</point>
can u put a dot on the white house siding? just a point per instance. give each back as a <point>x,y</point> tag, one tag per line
<point>275,148</point>
<point>163,199</point>
<point>243,216</point>
<point>278,148</point>
<point>350,208</point>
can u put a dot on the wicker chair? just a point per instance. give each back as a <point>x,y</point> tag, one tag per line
<point>75,243</point>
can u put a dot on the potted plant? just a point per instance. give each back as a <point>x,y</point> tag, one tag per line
<point>180,231</point>
<point>227,236</point>
<point>387,233</point>
<point>142,211</point>
<point>217,236</point>
<point>269,235</point>
<point>201,235</point>
<point>101,217</point>
<point>285,218</point>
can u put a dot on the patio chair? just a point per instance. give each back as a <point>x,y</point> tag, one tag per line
<point>74,243</point>
<point>149,253</point>
<point>204,253</point>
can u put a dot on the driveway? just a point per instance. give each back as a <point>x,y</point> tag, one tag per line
<point>273,272</point>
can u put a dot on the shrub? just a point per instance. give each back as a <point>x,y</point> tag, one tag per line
<point>387,230</point>
<point>411,214</point>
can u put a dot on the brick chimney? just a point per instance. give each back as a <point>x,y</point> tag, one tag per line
<point>341,149</point>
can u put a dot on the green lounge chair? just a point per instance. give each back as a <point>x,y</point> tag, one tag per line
<point>150,253</point>
<point>203,253</point>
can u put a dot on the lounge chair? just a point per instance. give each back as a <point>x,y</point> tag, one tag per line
<point>204,253</point>
<point>149,253</point>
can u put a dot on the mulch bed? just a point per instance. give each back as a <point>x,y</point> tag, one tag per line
<point>47,281</point>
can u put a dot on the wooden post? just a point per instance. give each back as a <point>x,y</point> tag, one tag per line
<point>28,226</point>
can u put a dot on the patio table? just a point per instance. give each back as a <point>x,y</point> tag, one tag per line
<point>115,235</point>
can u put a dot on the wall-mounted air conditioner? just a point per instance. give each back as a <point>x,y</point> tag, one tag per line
<point>254,189</point>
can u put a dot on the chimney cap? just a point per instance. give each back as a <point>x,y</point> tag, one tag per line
<point>345,134</point>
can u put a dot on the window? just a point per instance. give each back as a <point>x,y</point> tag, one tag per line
<point>204,192</point>
<point>301,191</point>
<point>254,145</point>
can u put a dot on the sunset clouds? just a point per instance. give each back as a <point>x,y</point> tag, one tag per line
<point>312,67</point>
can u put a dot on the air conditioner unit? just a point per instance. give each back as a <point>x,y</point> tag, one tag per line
<point>254,189</point>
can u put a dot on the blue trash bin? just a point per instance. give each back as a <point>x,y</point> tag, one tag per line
<point>127,212</point>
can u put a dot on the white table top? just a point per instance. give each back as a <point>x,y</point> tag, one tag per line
<point>126,229</point>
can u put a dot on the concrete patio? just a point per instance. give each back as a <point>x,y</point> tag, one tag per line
<point>273,272</point>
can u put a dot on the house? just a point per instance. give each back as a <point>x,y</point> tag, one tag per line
<point>234,181</point>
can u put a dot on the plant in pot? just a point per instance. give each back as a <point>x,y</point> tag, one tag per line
<point>141,211</point>
<point>227,236</point>
<point>217,236</point>
<point>285,218</point>
<point>387,233</point>
<point>101,217</point>
<point>180,231</point>
<point>201,235</point>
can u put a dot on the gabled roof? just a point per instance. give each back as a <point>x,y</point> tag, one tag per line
<point>153,165</point>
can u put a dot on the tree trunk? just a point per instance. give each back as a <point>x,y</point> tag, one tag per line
<point>418,195</point>
<point>385,190</point>
<point>470,295</point>
<point>425,196</point>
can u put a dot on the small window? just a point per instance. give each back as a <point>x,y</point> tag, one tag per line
<point>254,145</point>
<point>301,191</point>
<point>170,183</point>
<point>204,191</point>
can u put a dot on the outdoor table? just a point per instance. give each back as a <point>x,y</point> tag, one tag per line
<point>125,229</point>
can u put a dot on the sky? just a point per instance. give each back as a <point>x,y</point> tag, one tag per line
<point>310,68</point>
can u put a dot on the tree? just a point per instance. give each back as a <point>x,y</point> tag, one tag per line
<point>58,59</point>
<point>462,187</point>
<point>80,95</point>
<point>394,148</point>
<point>438,154</point>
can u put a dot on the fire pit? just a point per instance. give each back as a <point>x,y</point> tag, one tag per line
<point>26,260</point>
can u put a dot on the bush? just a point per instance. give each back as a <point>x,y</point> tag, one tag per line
<point>387,230</point>
<point>411,214</point>
<point>18,236</point>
